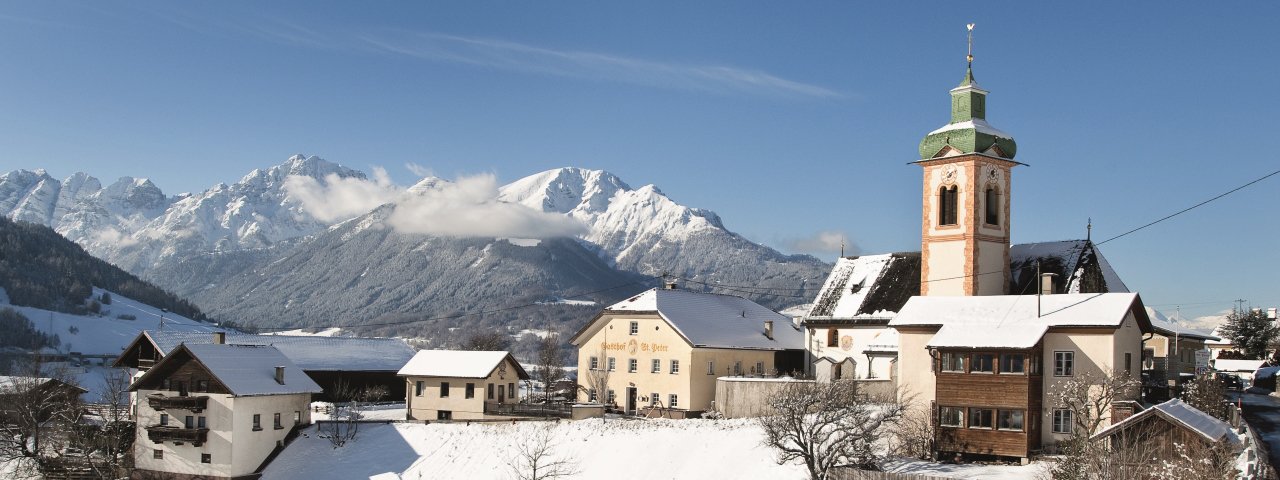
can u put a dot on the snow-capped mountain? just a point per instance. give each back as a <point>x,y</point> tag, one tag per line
<point>235,249</point>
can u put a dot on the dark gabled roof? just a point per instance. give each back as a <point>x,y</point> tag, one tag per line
<point>875,287</point>
<point>311,353</point>
<point>709,319</point>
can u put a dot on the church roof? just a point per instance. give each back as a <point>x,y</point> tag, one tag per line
<point>710,319</point>
<point>871,289</point>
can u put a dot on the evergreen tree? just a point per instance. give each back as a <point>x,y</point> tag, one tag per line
<point>1251,332</point>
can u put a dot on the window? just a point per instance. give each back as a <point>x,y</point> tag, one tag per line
<point>993,206</point>
<point>444,415</point>
<point>711,367</point>
<point>633,365</point>
<point>953,362</point>
<point>490,394</point>
<point>157,454</point>
<point>611,397</point>
<point>654,399</point>
<point>1128,363</point>
<point>951,416</point>
<point>671,402</point>
<point>202,422</point>
<point>760,368</point>
<point>591,394</point>
<point>1035,365</point>
<point>655,366</point>
<point>948,198</point>
<point>511,391</point>
<point>1148,358</point>
<point>737,368</point>
<point>675,367</point>
<point>833,337</point>
<point>983,363</point>
<point>612,364</point>
<point>1064,364</point>
<point>190,422</point>
<point>1012,363</point>
<point>502,393</point>
<point>202,385</point>
<point>275,422</point>
<point>1010,420</point>
<point>297,417</point>
<point>595,363</point>
<point>1062,421</point>
<point>981,418</point>
<point>417,388</point>
<point>635,328</point>
<point>206,458</point>
<point>444,389</point>
<point>471,390</point>
<point>164,419</point>
<point>257,422</point>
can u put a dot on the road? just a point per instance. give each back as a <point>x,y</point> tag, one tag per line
<point>1263,414</point>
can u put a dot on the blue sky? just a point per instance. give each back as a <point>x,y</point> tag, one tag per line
<point>788,119</point>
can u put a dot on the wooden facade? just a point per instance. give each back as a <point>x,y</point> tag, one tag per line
<point>990,395</point>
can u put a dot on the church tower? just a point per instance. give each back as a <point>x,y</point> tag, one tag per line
<point>967,164</point>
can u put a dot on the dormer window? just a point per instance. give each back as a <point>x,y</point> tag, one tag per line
<point>948,200</point>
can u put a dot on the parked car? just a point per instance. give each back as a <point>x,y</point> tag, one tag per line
<point>1231,382</point>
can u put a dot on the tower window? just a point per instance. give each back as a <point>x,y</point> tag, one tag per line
<point>948,197</point>
<point>993,207</point>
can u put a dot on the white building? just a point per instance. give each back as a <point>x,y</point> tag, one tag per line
<point>460,385</point>
<point>217,411</point>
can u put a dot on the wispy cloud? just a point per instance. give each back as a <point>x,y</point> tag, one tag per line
<point>419,170</point>
<point>467,207</point>
<point>822,243</point>
<point>525,58</point>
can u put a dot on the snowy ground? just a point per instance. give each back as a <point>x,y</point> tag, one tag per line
<point>394,411</point>
<point>615,449</point>
<point>107,334</point>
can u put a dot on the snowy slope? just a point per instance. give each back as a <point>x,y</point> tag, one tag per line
<point>106,334</point>
<point>614,449</point>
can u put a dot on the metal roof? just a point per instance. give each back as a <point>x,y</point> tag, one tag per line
<point>714,320</point>
<point>313,353</point>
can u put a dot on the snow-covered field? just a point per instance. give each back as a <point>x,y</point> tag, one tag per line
<point>107,334</point>
<point>615,449</point>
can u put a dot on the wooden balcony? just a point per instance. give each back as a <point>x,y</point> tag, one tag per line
<point>161,434</point>
<point>195,404</point>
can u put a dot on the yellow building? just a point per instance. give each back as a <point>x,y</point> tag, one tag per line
<point>660,352</point>
<point>460,385</point>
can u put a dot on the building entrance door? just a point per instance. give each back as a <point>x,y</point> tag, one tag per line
<point>631,400</point>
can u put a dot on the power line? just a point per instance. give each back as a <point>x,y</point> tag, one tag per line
<point>1185,210</point>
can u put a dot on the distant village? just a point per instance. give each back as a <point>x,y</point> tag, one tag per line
<point>970,351</point>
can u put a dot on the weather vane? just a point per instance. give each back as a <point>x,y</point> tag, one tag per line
<point>970,55</point>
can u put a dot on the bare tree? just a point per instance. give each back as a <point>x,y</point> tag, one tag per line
<point>103,438</point>
<point>489,340</point>
<point>348,409</point>
<point>1207,393</point>
<point>533,456</point>
<point>829,424</point>
<point>549,369</point>
<point>1090,396</point>
<point>38,408</point>
<point>597,377</point>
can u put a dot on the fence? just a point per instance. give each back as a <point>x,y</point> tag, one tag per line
<point>855,474</point>
<point>559,410</point>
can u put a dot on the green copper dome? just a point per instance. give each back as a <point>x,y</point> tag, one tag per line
<point>968,130</point>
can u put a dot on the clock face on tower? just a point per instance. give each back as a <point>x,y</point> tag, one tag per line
<point>992,174</point>
<point>949,174</point>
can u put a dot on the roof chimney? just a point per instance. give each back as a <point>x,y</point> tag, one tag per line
<point>768,329</point>
<point>219,338</point>
<point>1046,283</point>
<point>280,375</point>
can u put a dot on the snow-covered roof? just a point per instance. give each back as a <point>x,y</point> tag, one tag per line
<point>457,364</point>
<point>869,286</point>
<point>246,370</point>
<point>10,384</point>
<point>977,124</point>
<point>873,288</point>
<point>1230,365</point>
<point>712,319</point>
<point>1164,326</point>
<point>346,354</point>
<point>1013,321</point>
<point>1222,340</point>
<point>1178,412</point>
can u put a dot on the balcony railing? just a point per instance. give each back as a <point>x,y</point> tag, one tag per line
<point>194,403</point>
<point>161,434</point>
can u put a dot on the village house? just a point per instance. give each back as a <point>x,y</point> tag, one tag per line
<point>460,385</point>
<point>352,362</point>
<point>661,351</point>
<point>1169,431</point>
<point>217,411</point>
<point>1169,356</point>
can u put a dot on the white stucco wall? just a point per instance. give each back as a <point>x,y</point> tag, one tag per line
<point>1096,351</point>
<point>859,338</point>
